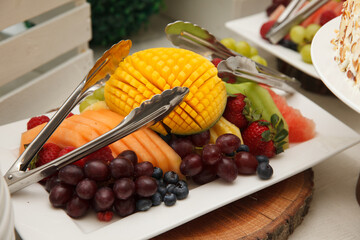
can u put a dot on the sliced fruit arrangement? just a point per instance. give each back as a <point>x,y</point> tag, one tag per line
<point>77,130</point>
<point>149,72</point>
<point>221,130</point>
<point>300,36</point>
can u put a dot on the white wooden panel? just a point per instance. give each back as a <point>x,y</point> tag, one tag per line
<point>15,11</point>
<point>47,91</point>
<point>24,52</point>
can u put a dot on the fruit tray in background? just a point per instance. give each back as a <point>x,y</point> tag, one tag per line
<point>289,62</point>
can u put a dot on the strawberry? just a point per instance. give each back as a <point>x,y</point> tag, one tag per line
<point>68,149</point>
<point>234,110</point>
<point>103,154</point>
<point>35,121</point>
<point>265,28</point>
<point>48,152</point>
<point>265,138</point>
<point>216,61</point>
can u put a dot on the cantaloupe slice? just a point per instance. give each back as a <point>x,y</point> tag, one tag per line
<point>112,119</point>
<point>79,129</point>
<point>116,147</point>
<point>62,137</point>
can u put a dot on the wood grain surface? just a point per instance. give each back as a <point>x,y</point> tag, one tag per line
<point>272,213</point>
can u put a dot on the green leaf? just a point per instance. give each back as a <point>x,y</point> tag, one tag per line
<point>263,123</point>
<point>280,126</point>
<point>266,136</point>
<point>280,144</point>
<point>274,120</point>
<point>281,135</point>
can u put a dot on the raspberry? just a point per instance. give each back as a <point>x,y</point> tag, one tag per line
<point>105,216</point>
<point>326,16</point>
<point>265,28</point>
<point>48,152</point>
<point>103,154</point>
<point>69,115</point>
<point>35,121</point>
<point>65,150</point>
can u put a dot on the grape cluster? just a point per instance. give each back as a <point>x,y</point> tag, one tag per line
<point>123,186</point>
<point>204,161</point>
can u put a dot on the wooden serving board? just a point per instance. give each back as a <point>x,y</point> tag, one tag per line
<point>272,213</point>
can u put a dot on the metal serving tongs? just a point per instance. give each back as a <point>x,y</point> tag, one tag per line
<point>243,67</point>
<point>17,177</point>
<point>147,114</point>
<point>197,39</point>
<point>292,16</point>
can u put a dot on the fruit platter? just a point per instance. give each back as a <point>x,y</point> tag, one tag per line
<point>294,48</point>
<point>224,139</point>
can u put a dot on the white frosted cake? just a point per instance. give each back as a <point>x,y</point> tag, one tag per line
<point>347,42</point>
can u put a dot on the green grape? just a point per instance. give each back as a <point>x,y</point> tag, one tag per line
<point>310,31</point>
<point>229,43</point>
<point>243,48</point>
<point>259,59</point>
<point>305,53</point>
<point>253,51</point>
<point>99,94</point>
<point>87,102</point>
<point>297,34</point>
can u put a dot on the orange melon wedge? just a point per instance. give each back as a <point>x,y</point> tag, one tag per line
<point>80,129</point>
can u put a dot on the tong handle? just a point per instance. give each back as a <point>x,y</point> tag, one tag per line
<point>149,112</point>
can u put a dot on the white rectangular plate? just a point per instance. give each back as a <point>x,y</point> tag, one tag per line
<point>36,219</point>
<point>249,28</point>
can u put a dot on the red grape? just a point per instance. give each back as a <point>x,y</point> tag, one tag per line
<point>182,146</point>
<point>131,155</point>
<point>121,167</point>
<point>97,170</point>
<point>71,174</point>
<point>124,207</point>
<point>124,188</point>
<point>104,199</point>
<point>86,188</point>
<point>208,174</point>
<point>60,195</point>
<point>211,154</point>
<point>77,207</point>
<point>200,139</point>
<point>145,186</point>
<point>191,165</point>
<point>246,162</point>
<point>226,169</point>
<point>143,169</point>
<point>228,143</point>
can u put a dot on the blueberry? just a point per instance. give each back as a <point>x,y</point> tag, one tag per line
<point>160,182</point>
<point>156,199</point>
<point>143,204</point>
<point>170,188</point>
<point>171,177</point>
<point>243,148</point>
<point>262,158</point>
<point>181,190</point>
<point>264,171</point>
<point>289,44</point>
<point>169,199</point>
<point>158,173</point>
<point>230,154</point>
<point>162,190</point>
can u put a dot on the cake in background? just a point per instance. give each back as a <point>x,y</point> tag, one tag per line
<point>347,45</point>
